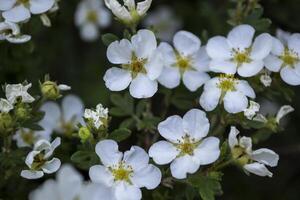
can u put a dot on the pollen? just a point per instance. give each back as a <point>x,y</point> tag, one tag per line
<point>241,57</point>
<point>38,161</point>
<point>136,66</point>
<point>183,63</point>
<point>289,58</point>
<point>187,146</point>
<point>122,172</point>
<point>227,83</point>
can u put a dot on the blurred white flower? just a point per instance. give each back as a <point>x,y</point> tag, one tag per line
<point>21,10</point>
<point>11,32</point>
<point>124,173</point>
<point>252,161</point>
<point>39,159</point>
<point>260,118</point>
<point>188,61</point>
<point>141,65</point>
<point>266,80</point>
<point>238,53</point>
<point>285,58</point>
<point>283,111</point>
<point>187,148</point>
<point>65,118</point>
<point>251,111</point>
<point>129,13</point>
<point>98,117</point>
<point>228,90</point>
<point>69,185</point>
<point>27,138</point>
<point>89,16</point>
<point>15,91</point>
<point>164,22</point>
<point>5,106</point>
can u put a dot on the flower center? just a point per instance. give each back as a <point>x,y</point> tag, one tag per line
<point>24,2</point>
<point>227,82</point>
<point>38,161</point>
<point>240,155</point>
<point>187,145</point>
<point>289,57</point>
<point>241,57</point>
<point>136,66</point>
<point>92,16</point>
<point>28,137</point>
<point>122,172</point>
<point>183,63</point>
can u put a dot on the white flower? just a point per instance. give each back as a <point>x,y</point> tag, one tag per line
<point>253,161</point>
<point>11,32</point>
<point>164,22</point>
<point>228,90</point>
<point>130,12</point>
<point>188,61</point>
<point>285,58</point>
<point>15,91</point>
<point>283,111</point>
<point>26,137</point>
<point>89,16</point>
<point>237,52</point>
<point>187,148</point>
<point>39,159</point>
<point>21,10</point>
<point>266,80</point>
<point>124,173</point>
<point>69,185</point>
<point>251,111</point>
<point>98,117</point>
<point>65,118</point>
<point>5,106</point>
<point>141,65</point>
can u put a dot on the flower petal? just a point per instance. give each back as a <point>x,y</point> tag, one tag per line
<point>72,108</point>
<point>208,151</point>
<point>99,174</point>
<point>246,143</point>
<point>143,7</point>
<point>223,66</point>
<point>241,36</point>
<point>294,42</point>
<point>210,98</point>
<point>154,65</point>
<point>51,166</point>
<point>6,4</point>
<point>262,46</point>
<point>200,60</point>
<point>144,43</point>
<point>52,116</point>
<point>245,88</point>
<point>273,63</point>
<point>143,87</point>
<point>117,79</point>
<point>172,128</point>
<point>119,52</point>
<point>108,152</point>
<point>196,124</point>
<point>149,177</point>
<point>89,32</point>
<point>16,14</point>
<point>186,43</point>
<point>170,77</point>
<point>168,53</point>
<point>258,169</point>
<point>163,152</point>
<point>218,48</point>
<point>250,69</point>
<point>277,47</point>
<point>30,174</point>
<point>124,191</point>
<point>194,79</point>
<point>290,76</point>
<point>183,165</point>
<point>232,138</point>
<point>136,157</point>
<point>235,102</point>
<point>265,156</point>
<point>40,6</point>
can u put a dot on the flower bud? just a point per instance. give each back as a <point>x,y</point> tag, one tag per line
<point>50,90</point>
<point>22,112</point>
<point>84,134</point>
<point>6,122</point>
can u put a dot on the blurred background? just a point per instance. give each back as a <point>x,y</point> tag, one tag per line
<point>60,52</point>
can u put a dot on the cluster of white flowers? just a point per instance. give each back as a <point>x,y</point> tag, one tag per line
<point>15,12</point>
<point>98,117</point>
<point>39,160</point>
<point>89,16</point>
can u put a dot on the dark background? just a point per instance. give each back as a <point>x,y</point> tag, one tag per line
<point>60,52</point>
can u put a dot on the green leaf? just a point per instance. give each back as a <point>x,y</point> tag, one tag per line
<point>120,134</point>
<point>208,185</point>
<point>118,112</point>
<point>140,107</point>
<point>108,38</point>
<point>127,123</point>
<point>85,159</point>
<point>124,103</point>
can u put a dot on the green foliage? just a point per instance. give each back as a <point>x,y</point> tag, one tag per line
<point>120,134</point>
<point>108,38</point>
<point>85,159</point>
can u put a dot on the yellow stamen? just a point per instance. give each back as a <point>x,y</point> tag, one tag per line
<point>289,58</point>
<point>187,146</point>
<point>241,57</point>
<point>227,82</point>
<point>122,172</point>
<point>136,66</point>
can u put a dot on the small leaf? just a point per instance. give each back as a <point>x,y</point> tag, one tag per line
<point>120,134</point>
<point>85,159</point>
<point>140,107</point>
<point>108,38</point>
<point>127,123</point>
